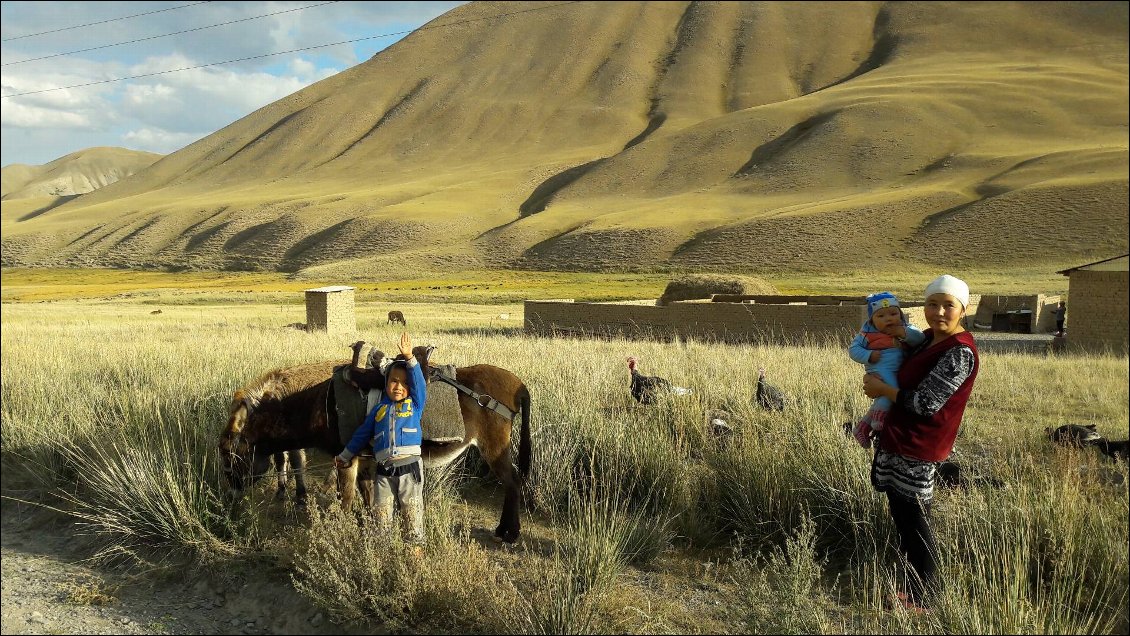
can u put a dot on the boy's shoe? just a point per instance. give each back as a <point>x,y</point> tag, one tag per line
<point>862,434</point>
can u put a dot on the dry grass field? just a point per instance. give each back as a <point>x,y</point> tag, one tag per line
<point>774,530</point>
<point>754,136</point>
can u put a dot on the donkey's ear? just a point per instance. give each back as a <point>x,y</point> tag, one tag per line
<point>1091,426</point>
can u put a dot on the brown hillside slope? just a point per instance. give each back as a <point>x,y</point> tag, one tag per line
<point>621,135</point>
<point>77,173</point>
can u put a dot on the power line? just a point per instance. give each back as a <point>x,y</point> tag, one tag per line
<point>79,26</point>
<point>307,48</point>
<point>154,37</point>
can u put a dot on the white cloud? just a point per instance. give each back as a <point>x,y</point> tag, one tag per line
<point>156,140</point>
<point>26,116</point>
<point>166,111</point>
<point>202,99</point>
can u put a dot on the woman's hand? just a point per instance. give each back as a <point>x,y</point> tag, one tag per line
<point>874,387</point>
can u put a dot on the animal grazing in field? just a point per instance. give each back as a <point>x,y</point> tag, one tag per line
<point>283,410</point>
<point>1115,450</point>
<point>1074,434</point>
<point>718,424</point>
<point>646,389</point>
<point>489,398</point>
<point>155,311</point>
<point>768,396</point>
<point>395,317</point>
<point>1088,435</point>
<point>951,474</point>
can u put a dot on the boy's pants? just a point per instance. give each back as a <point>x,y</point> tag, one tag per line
<point>401,487</point>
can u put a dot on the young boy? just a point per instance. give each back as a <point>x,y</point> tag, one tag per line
<point>878,347</point>
<point>393,427</point>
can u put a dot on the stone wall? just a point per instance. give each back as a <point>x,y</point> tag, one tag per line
<point>724,321</point>
<point>1097,314</point>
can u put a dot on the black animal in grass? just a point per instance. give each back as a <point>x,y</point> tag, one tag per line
<point>1088,435</point>
<point>954,474</point>
<point>646,389</point>
<point>768,396</point>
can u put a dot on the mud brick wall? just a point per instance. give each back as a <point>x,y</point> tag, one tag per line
<point>1042,307</point>
<point>1097,311</point>
<point>330,311</point>
<point>729,322</point>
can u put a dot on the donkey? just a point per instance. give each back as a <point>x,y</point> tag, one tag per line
<point>487,429</point>
<point>280,413</point>
<point>395,316</point>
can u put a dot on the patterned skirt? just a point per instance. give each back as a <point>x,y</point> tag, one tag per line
<point>907,476</point>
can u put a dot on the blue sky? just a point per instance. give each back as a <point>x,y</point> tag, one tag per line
<point>163,113</point>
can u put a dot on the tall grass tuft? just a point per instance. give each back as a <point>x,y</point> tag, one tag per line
<point>135,497</point>
<point>362,573</point>
<point>783,591</point>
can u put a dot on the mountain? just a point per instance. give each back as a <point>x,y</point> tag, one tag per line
<point>752,136</point>
<point>77,173</point>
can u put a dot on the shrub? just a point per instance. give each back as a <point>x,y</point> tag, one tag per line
<point>699,286</point>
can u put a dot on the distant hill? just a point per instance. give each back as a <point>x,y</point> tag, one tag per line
<point>752,136</point>
<point>77,173</point>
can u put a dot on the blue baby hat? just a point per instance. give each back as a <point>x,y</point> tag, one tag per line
<point>879,301</point>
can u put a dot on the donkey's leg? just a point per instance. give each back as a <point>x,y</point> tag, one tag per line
<point>298,462</point>
<point>509,526</point>
<point>281,475</point>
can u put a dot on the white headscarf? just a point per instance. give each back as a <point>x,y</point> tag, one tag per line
<point>946,284</point>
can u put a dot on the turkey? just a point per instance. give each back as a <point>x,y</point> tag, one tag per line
<point>769,396</point>
<point>646,388</point>
<point>1115,450</point>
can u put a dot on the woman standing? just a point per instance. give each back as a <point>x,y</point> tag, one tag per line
<point>936,381</point>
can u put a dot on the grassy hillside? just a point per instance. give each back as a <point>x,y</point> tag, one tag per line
<point>77,173</point>
<point>635,136</point>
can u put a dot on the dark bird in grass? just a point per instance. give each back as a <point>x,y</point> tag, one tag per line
<point>1088,435</point>
<point>768,396</point>
<point>1115,450</point>
<point>1074,435</point>
<point>647,388</point>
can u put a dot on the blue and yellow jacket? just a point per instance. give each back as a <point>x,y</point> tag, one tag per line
<point>394,427</point>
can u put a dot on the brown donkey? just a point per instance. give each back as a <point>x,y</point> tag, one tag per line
<point>487,429</point>
<point>281,412</point>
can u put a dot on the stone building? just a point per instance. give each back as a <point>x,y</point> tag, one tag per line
<point>1097,308</point>
<point>330,309</point>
